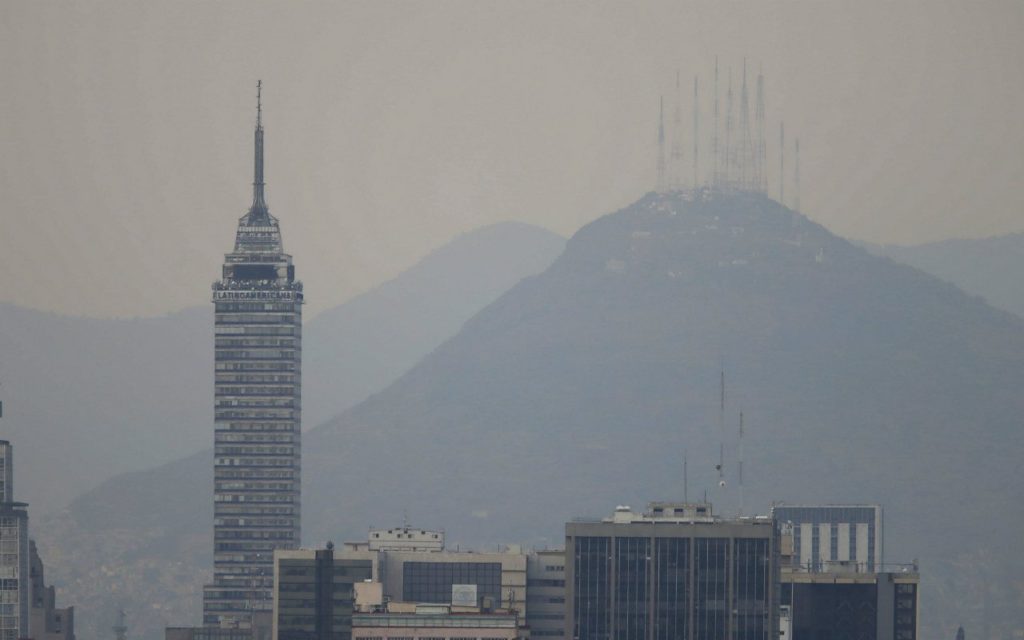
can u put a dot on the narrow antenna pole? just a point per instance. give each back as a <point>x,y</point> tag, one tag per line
<point>677,171</point>
<point>661,145</point>
<point>728,133</point>
<point>796,178</point>
<point>741,463</point>
<point>716,168</point>
<point>696,135</point>
<point>686,480</point>
<point>762,173</point>
<point>782,163</point>
<point>746,148</point>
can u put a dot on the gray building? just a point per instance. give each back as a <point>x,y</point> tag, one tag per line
<point>545,593</point>
<point>257,412</point>
<point>47,621</point>
<point>834,534</point>
<point>14,554</point>
<point>675,571</point>
<point>314,594</point>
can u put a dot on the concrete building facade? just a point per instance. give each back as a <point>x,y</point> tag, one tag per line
<point>834,534</point>
<point>257,413</point>
<point>545,593</point>
<point>435,622</point>
<point>675,571</point>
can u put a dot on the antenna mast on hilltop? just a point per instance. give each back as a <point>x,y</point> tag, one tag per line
<point>796,178</point>
<point>746,145</point>
<point>120,629</point>
<point>728,133</point>
<point>677,139</point>
<point>660,145</point>
<point>760,172</point>
<point>782,163</point>
<point>696,135</point>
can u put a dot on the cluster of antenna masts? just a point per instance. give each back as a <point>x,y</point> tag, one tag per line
<point>738,158</point>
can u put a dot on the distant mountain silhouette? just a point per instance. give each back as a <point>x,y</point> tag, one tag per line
<point>87,399</point>
<point>988,267</point>
<point>862,380</point>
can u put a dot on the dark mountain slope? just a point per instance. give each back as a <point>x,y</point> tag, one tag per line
<point>862,380</point>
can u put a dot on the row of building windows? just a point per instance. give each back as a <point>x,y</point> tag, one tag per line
<point>222,437</point>
<point>255,498</point>
<point>257,366</point>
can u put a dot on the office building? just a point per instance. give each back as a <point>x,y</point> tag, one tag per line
<point>314,594</point>
<point>674,571</point>
<point>257,413</point>
<point>418,570</point>
<point>856,596</point>
<point>829,534</point>
<point>14,554</point>
<point>46,620</point>
<point>545,593</point>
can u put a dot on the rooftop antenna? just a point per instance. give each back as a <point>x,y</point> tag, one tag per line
<point>782,163</point>
<point>728,133</point>
<point>661,145</point>
<point>759,163</point>
<point>740,463</point>
<point>696,134</point>
<point>720,467</point>
<point>120,629</point>
<point>796,178</point>
<point>686,480</point>
<point>715,169</point>
<point>677,138</point>
<point>745,149</point>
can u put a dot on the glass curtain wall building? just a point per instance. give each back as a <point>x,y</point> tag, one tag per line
<point>671,577</point>
<point>257,412</point>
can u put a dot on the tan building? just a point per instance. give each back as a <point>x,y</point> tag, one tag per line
<point>435,622</point>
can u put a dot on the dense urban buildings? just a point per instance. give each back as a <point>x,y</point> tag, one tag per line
<point>14,554</point>
<point>435,622</point>
<point>828,534</point>
<point>674,571</point>
<point>314,594</point>
<point>257,412</point>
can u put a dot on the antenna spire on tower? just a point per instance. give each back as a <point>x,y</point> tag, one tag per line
<point>259,203</point>
<point>740,463</point>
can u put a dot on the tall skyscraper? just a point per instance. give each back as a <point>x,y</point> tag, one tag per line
<point>14,570</point>
<point>257,412</point>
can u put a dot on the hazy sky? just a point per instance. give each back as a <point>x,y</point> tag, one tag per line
<point>126,127</point>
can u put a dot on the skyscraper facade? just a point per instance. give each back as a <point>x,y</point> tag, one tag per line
<point>14,570</point>
<point>257,412</point>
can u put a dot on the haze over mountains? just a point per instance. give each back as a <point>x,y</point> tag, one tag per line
<point>109,396</point>
<point>580,388</point>
<point>988,267</point>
